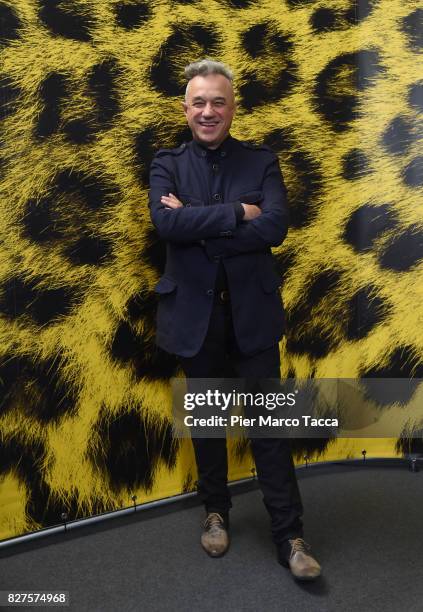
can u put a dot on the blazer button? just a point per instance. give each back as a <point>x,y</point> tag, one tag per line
<point>215,167</point>
<point>210,292</point>
<point>188,204</point>
<point>223,154</point>
<point>216,258</point>
<point>217,196</point>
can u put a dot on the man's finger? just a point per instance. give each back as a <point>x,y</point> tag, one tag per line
<point>171,202</point>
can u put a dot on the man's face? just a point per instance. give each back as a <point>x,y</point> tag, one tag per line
<point>209,109</point>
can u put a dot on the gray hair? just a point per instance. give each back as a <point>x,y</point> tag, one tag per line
<point>205,67</point>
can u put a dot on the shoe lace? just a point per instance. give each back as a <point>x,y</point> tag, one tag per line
<point>214,520</point>
<point>298,545</point>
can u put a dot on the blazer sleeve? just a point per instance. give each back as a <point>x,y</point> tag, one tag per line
<point>184,224</point>
<point>267,230</point>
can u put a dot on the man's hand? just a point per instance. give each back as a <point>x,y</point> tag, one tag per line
<point>252,211</point>
<point>171,201</point>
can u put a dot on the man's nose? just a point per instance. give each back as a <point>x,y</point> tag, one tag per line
<point>208,110</point>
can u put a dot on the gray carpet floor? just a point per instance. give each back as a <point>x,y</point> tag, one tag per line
<point>364,525</point>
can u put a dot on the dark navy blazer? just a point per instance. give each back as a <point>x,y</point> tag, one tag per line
<point>207,230</point>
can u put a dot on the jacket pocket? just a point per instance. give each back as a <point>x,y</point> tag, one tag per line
<point>165,285</point>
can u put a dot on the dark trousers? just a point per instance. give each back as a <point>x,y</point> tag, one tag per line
<point>220,357</point>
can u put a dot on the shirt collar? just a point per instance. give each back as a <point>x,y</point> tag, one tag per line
<point>222,150</point>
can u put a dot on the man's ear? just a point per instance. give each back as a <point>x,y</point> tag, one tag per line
<point>185,107</point>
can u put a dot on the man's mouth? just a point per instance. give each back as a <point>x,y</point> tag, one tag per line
<point>208,124</point>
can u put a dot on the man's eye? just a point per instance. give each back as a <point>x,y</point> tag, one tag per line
<point>198,104</point>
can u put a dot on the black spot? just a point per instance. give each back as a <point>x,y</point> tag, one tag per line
<point>403,363</point>
<point>69,216</point>
<point>93,192</point>
<point>154,252</point>
<point>9,24</point>
<point>366,310</point>
<point>284,262</point>
<point>314,342</point>
<point>416,95</point>
<point>305,178</point>
<point>263,41</point>
<point>152,363</point>
<point>306,184</point>
<point>253,39</point>
<point>398,136</point>
<point>359,10</point>
<point>23,459</point>
<point>53,397</point>
<point>167,75</point>
<point>8,96</point>
<point>151,139</point>
<point>181,135</point>
<point>40,223</point>
<point>323,20</point>
<point>367,223</point>
<point>413,173</point>
<point>262,38</point>
<point>52,303</point>
<point>338,85</point>
<point>148,360</point>
<point>131,450</point>
<point>298,3</point>
<point>124,346</point>
<point>130,15</point>
<point>279,140</point>
<point>355,165</point>
<point>19,296</point>
<point>240,4</point>
<point>410,446</point>
<point>43,506</point>
<point>36,388</point>
<point>9,375</point>
<point>303,337</point>
<point>403,251</point>
<point>90,250</point>
<point>141,305</point>
<point>79,131</point>
<point>412,25</point>
<point>321,286</point>
<point>46,507</point>
<point>146,147</point>
<point>58,17</point>
<point>310,447</point>
<point>53,90</point>
<point>104,87</point>
<point>189,484</point>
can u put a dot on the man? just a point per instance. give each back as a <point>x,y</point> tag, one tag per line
<point>220,205</point>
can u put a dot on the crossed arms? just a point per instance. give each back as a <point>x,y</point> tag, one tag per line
<point>216,225</point>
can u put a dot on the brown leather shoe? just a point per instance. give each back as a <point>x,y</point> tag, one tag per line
<point>302,565</point>
<point>215,539</point>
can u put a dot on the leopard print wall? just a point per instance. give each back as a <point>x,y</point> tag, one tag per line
<point>89,90</point>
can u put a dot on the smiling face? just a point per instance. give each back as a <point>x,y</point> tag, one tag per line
<point>209,108</point>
